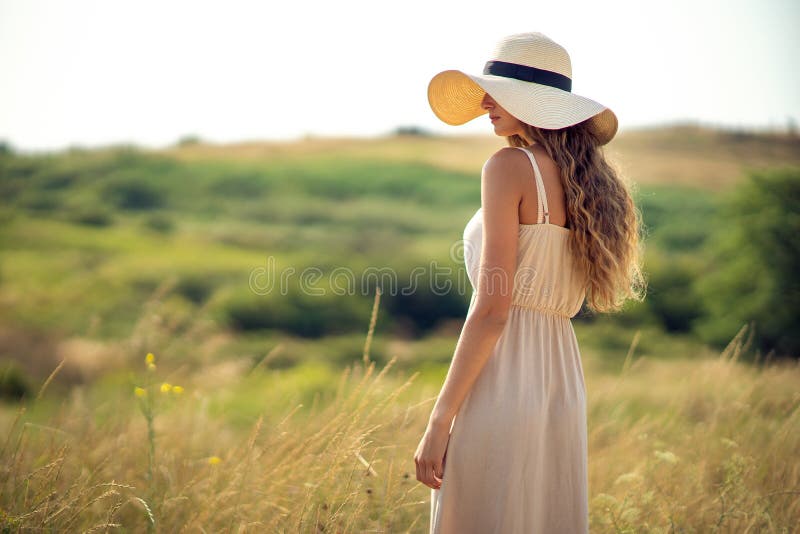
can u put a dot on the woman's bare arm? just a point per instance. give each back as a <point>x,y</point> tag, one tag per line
<point>501,194</point>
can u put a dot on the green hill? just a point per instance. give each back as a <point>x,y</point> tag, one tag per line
<point>275,409</point>
<point>91,238</point>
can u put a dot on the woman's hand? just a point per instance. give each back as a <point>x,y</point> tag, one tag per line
<point>431,455</point>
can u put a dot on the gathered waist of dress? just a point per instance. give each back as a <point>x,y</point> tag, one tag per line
<point>542,309</point>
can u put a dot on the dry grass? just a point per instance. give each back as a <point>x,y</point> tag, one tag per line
<point>704,445</point>
<point>696,446</point>
<point>683,155</point>
<point>465,154</point>
<point>336,467</point>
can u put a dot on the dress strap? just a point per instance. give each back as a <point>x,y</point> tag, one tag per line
<point>539,187</point>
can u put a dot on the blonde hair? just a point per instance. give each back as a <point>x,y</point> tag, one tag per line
<point>601,212</point>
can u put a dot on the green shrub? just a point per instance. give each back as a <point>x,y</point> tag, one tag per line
<point>189,140</point>
<point>196,288</point>
<point>134,195</point>
<point>753,271</point>
<point>41,201</point>
<point>424,306</point>
<point>14,385</point>
<point>671,293</point>
<point>97,217</point>
<point>159,222</point>
<point>676,218</point>
<point>298,313</point>
<point>243,185</point>
<point>57,178</point>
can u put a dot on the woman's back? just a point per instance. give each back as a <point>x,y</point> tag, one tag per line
<point>547,276</point>
<point>554,190</point>
<point>516,460</point>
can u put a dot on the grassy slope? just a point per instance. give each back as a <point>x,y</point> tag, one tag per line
<point>682,155</point>
<point>683,445</point>
<point>679,440</point>
<point>352,202</point>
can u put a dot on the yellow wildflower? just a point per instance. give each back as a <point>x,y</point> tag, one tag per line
<point>165,387</point>
<point>139,392</point>
<point>177,390</point>
<point>150,358</point>
<point>214,460</point>
<point>151,366</point>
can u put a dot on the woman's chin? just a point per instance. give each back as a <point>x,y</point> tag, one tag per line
<point>501,132</point>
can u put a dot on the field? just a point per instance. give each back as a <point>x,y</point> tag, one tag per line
<point>301,413</point>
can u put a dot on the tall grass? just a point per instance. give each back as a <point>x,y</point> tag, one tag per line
<point>685,445</point>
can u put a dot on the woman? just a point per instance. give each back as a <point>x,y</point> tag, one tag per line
<point>505,450</point>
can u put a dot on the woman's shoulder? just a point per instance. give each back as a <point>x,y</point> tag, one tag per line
<point>512,159</point>
<point>506,160</point>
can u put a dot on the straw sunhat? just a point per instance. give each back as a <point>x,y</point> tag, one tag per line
<point>530,76</point>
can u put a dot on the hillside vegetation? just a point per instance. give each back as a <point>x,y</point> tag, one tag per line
<point>684,155</point>
<point>221,261</point>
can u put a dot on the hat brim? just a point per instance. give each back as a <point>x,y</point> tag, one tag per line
<point>455,97</point>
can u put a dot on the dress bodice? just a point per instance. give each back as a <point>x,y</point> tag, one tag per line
<point>547,277</point>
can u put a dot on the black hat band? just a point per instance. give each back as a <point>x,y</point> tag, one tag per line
<point>528,74</point>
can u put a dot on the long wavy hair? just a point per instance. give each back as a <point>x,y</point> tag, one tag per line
<point>600,209</point>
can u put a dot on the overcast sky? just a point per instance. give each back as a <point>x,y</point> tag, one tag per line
<point>82,72</point>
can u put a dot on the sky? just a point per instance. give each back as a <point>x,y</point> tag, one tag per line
<point>90,73</point>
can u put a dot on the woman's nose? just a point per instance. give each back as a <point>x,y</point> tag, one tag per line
<point>487,101</point>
